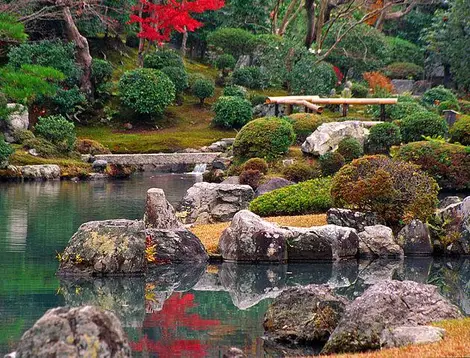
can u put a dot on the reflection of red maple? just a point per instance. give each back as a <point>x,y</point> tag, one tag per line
<point>173,316</point>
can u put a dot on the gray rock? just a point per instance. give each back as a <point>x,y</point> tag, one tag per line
<point>272,184</point>
<point>33,152</point>
<point>457,219</point>
<point>221,163</point>
<point>234,353</point>
<point>449,200</point>
<point>349,218</point>
<point>243,61</point>
<point>378,241</point>
<point>387,305</point>
<point>159,213</point>
<point>411,335</point>
<point>75,332</point>
<point>220,146</point>
<point>267,110</point>
<point>402,86</point>
<point>304,315</point>
<point>18,120</point>
<point>233,180</point>
<point>420,87</point>
<point>209,203</point>
<point>110,247</point>
<point>99,165</point>
<point>415,239</point>
<point>327,136</point>
<point>41,172</point>
<point>177,245</point>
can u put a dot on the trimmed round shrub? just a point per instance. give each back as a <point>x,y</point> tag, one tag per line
<point>359,91</point>
<point>437,95</point>
<point>397,191</point>
<point>146,91</point>
<point>382,137</point>
<point>301,171</point>
<point>101,71</point>
<point>233,41</point>
<point>22,135</point>
<point>305,124</point>
<point>267,138</point>
<point>236,91</point>
<point>193,77</point>
<point>404,51</point>
<point>163,58</point>
<point>448,164</point>
<point>57,130</point>
<point>256,164</point>
<point>331,162</point>
<point>67,100</point>
<point>231,112</point>
<point>460,131</point>
<point>403,70</point>
<point>309,78</point>
<point>225,62</point>
<point>6,151</point>
<point>428,124</point>
<point>90,146</point>
<point>312,196</point>
<point>251,177</point>
<point>251,77</point>
<point>404,109</point>
<point>350,149</point>
<point>178,76</point>
<point>203,88</point>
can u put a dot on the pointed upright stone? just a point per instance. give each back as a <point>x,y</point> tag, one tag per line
<point>159,213</point>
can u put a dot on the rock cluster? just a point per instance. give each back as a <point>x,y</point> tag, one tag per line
<point>18,120</point>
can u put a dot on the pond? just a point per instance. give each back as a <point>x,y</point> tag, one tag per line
<point>177,311</point>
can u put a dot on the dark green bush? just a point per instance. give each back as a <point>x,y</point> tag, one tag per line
<point>231,112</point>
<point>382,137</point>
<point>359,91</point>
<point>310,78</point>
<point>163,58</point>
<point>267,138</point>
<point>234,90</point>
<point>331,162</point>
<point>225,62</point>
<point>251,77</point>
<point>350,149</point>
<point>178,76</point>
<point>101,71</point>
<point>202,89</point>
<point>146,91</point>
<point>415,126</point>
<point>5,151</point>
<point>436,95</point>
<point>448,164</point>
<point>460,131</point>
<point>132,40</point>
<point>43,147</point>
<point>57,130</point>
<point>301,171</point>
<point>404,51</point>
<point>256,164</point>
<point>257,99</point>
<point>397,191</point>
<point>312,196</point>
<point>67,100</point>
<point>22,135</point>
<point>404,109</point>
<point>251,177</point>
<point>232,41</point>
<point>403,70</point>
<point>448,105</point>
<point>305,124</point>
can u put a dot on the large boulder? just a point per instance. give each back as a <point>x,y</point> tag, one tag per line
<point>209,202</point>
<point>411,335</point>
<point>327,136</point>
<point>349,218</point>
<point>250,238</point>
<point>110,247</point>
<point>84,331</point>
<point>272,184</point>
<point>304,315</point>
<point>18,120</point>
<point>415,239</point>
<point>378,241</point>
<point>40,172</point>
<point>387,305</point>
<point>159,213</point>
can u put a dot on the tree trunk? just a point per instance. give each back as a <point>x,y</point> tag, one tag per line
<point>140,54</point>
<point>84,58</point>
<point>310,37</point>
<point>183,48</point>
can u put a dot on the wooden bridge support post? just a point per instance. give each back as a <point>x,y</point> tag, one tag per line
<point>382,112</point>
<point>345,110</point>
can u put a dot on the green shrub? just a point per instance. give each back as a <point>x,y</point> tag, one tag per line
<point>258,99</point>
<point>382,137</point>
<point>256,164</point>
<point>403,70</point>
<point>350,149</point>
<point>90,146</point>
<point>43,147</point>
<point>404,109</point>
<point>448,105</point>
<point>448,164</point>
<point>232,41</point>
<point>163,58</point>
<point>428,124</point>
<point>397,191</point>
<point>464,106</point>
<point>22,135</point>
<point>231,112</point>
<point>331,162</point>
<point>5,151</point>
<point>101,71</point>
<point>251,177</point>
<point>266,138</point>
<point>178,76</point>
<point>312,196</point>
<point>193,77</point>
<point>436,95</point>
<point>202,89</point>
<point>235,91</point>
<point>251,77</point>
<point>57,130</point>
<point>359,91</point>
<point>146,91</point>
<point>404,51</point>
<point>305,124</point>
<point>67,100</point>
<point>225,62</point>
<point>309,78</point>
<point>460,131</point>
<point>301,171</point>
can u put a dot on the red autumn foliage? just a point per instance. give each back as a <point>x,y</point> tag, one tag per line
<point>158,21</point>
<point>377,81</point>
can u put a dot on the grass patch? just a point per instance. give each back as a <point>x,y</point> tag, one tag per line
<point>210,234</point>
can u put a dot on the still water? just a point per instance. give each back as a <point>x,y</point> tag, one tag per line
<point>177,311</point>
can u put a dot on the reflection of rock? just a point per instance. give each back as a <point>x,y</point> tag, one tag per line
<point>417,269</point>
<point>175,277</point>
<point>122,295</point>
<point>250,284</point>
<point>209,282</point>
<point>371,272</point>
